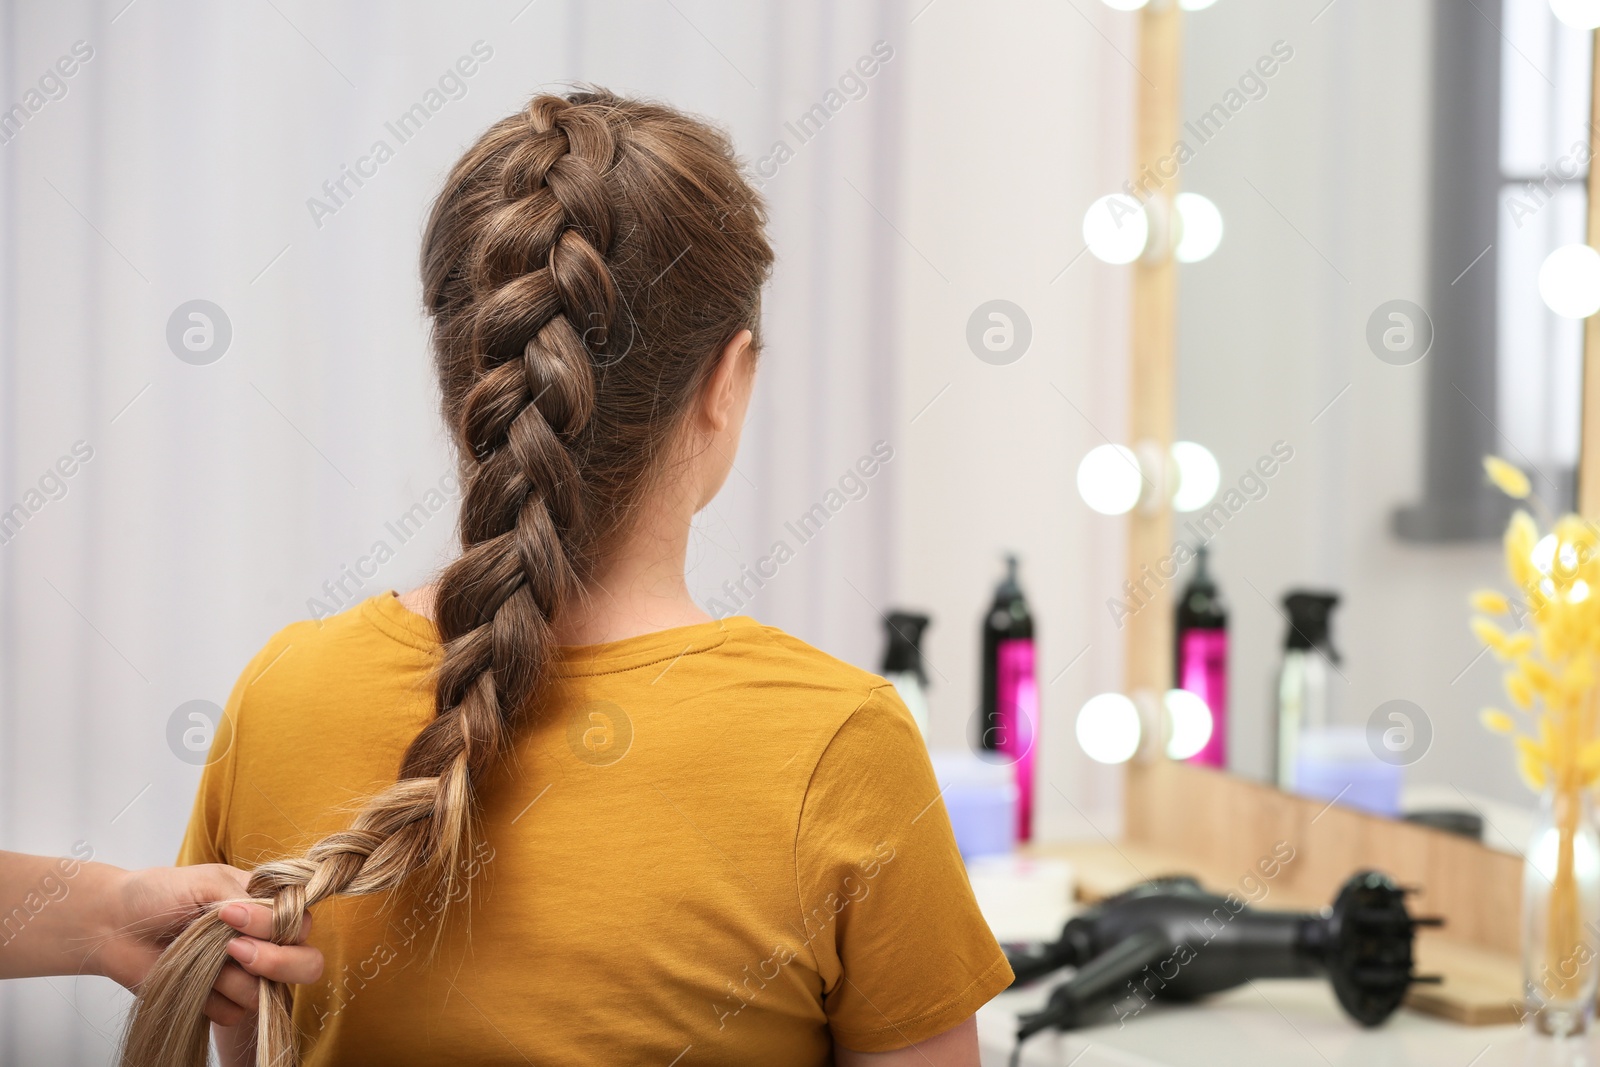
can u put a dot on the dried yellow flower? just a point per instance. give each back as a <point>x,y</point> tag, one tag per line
<point>1519,689</point>
<point>1539,676</point>
<point>1521,537</point>
<point>1589,759</point>
<point>1490,602</point>
<point>1579,677</point>
<point>1532,772</point>
<point>1497,721</point>
<point>1549,638</point>
<point>1507,477</point>
<point>1491,635</point>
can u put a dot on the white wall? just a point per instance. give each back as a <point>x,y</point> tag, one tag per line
<point>1019,116</point>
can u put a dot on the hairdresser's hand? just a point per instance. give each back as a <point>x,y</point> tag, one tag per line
<point>150,907</point>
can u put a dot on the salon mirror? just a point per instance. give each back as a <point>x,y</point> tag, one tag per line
<point>1390,187</point>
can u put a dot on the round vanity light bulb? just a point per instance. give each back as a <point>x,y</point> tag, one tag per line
<point>1569,281</point>
<point>1191,721</point>
<point>1199,226</point>
<point>1108,728</point>
<point>1579,14</point>
<point>1199,477</point>
<point>1109,479</point>
<point>1116,229</point>
<point>1126,5</point>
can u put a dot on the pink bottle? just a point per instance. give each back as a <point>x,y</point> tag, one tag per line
<point>1202,664</point>
<point>1017,704</point>
<point>1010,698</point>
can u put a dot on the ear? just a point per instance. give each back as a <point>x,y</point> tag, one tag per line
<point>720,401</point>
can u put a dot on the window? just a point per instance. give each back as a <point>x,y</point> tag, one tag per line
<point>1545,69</point>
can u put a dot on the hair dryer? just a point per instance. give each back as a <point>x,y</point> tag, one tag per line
<point>1172,940</point>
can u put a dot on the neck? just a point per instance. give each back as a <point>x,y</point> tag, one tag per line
<point>640,589</point>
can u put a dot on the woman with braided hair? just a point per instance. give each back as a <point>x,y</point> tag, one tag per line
<point>545,810</point>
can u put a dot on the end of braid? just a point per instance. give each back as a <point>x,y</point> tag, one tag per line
<point>386,842</point>
<point>166,1029</point>
<point>166,1026</point>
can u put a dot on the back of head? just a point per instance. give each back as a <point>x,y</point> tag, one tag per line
<point>584,266</point>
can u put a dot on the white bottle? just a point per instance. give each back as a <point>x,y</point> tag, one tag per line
<point>902,663</point>
<point>1303,692</point>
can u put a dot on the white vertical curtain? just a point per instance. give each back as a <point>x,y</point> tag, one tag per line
<point>230,154</point>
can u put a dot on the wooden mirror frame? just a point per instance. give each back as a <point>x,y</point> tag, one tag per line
<point>1589,436</point>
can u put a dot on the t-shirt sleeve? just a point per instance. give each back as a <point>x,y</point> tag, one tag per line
<point>902,949</point>
<point>206,840</point>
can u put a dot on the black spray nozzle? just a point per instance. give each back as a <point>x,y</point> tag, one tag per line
<point>904,651</point>
<point>1010,588</point>
<point>1008,614</point>
<point>1311,621</point>
<point>1201,607</point>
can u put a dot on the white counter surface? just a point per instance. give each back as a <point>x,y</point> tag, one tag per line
<point>1271,1024</point>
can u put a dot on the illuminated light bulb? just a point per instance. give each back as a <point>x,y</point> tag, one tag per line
<point>1109,479</point>
<point>1199,477</point>
<point>1543,555</point>
<point>1569,281</point>
<point>1191,721</point>
<point>1108,728</point>
<point>1579,14</point>
<point>1116,229</point>
<point>1199,227</point>
<point>1579,592</point>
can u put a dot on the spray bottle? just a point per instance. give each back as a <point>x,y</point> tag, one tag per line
<point>1010,698</point>
<point>902,663</point>
<point>1308,656</point>
<point>1202,656</point>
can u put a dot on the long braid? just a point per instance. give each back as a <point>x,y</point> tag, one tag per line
<point>525,280</point>
<point>534,390</point>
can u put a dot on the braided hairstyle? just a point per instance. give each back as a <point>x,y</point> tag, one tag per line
<point>585,265</point>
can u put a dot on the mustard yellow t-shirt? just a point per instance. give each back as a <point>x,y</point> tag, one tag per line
<point>712,845</point>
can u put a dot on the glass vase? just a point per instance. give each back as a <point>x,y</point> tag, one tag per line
<point>1561,913</point>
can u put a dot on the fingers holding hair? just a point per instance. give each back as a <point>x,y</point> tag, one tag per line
<point>235,994</point>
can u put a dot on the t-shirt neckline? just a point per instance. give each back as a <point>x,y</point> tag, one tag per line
<point>388,614</point>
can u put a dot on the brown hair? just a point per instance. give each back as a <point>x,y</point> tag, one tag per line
<point>584,266</point>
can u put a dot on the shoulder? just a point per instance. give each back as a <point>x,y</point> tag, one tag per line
<point>302,646</point>
<point>784,660</point>
<point>318,665</point>
<point>845,713</point>
<point>878,737</point>
<point>869,718</point>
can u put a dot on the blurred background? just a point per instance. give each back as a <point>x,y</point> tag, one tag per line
<point>210,315</point>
